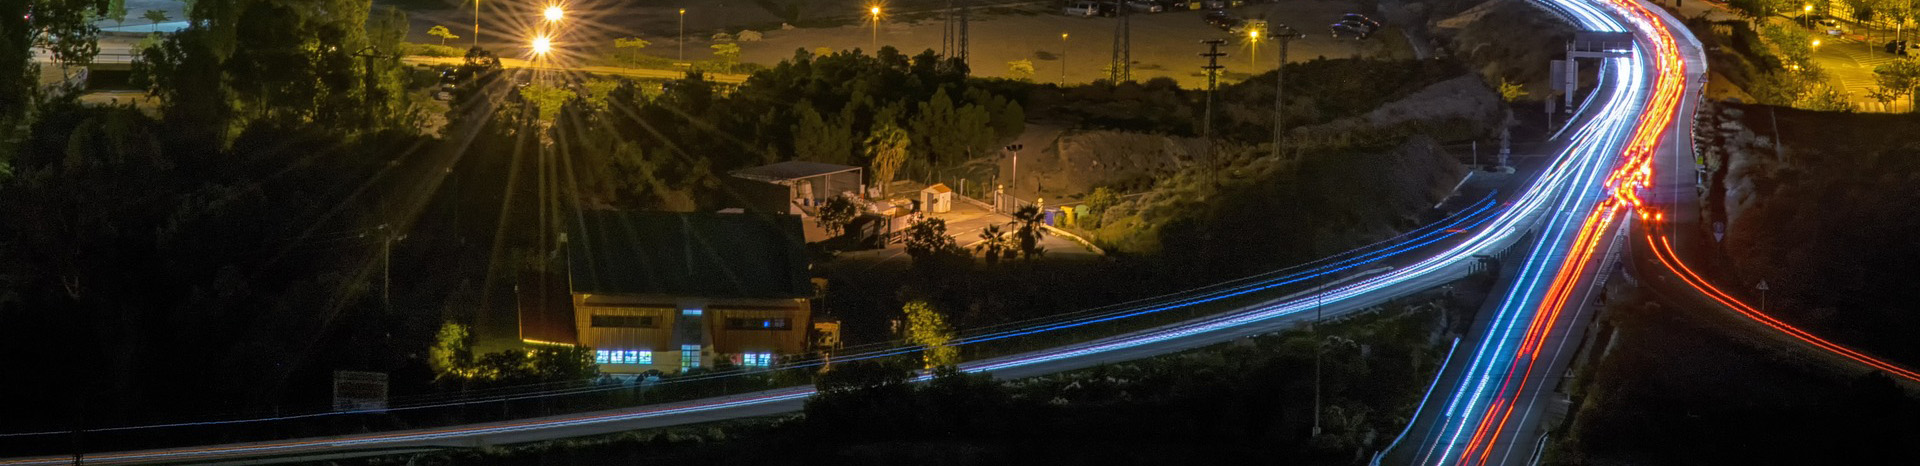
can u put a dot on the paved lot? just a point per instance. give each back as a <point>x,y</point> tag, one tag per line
<point>964,223</point>
<point>1164,44</point>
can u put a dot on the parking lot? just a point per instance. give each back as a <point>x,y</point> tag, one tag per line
<point>1164,44</point>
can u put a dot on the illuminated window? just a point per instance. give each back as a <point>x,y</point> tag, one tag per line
<point>622,357</point>
<point>689,356</point>
<point>756,359</point>
<point>690,312</point>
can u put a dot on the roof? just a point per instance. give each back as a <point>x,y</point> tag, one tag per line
<point>938,188</point>
<point>711,255</point>
<point>792,170</point>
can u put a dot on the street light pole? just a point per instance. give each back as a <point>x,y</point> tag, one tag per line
<point>683,34</point>
<point>1063,59</point>
<point>476,24</point>
<point>876,30</point>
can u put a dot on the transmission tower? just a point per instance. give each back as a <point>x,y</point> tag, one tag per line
<point>1213,81</point>
<point>1121,70</point>
<point>953,35</point>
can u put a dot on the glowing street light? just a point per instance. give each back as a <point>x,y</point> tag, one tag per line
<point>875,12</point>
<point>683,34</point>
<point>1253,40</point>
<point>542,45</point>
<point>553,13</point>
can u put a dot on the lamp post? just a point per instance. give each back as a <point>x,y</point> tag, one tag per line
<point>683,34</point>
<point>1253,41</point>
<point>1806,16</point>
<point>875,11</point>
<point>476,24</point>
<point>1063,59</point>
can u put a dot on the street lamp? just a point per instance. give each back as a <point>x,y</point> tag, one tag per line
<point>1806,16</point>
<point>1253,40</point>
<point>1063,59</point>
<point>683,34</point>
<point>553,13</point>
<point>542,45</point>
<point>875,12</point>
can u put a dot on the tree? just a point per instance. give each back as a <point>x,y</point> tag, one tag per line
<point>928,238</point>
<point>157,17</point>
<point>994,244</point>
<point>887,148</point>
<point>1099,201</point>
<point>452,352</point>
<point>627,50</point>
<point>837,212</point>
<point>117,11</point>
<point>1028,230</point>
<point>1901,77</point>
<point>727,54</point>
<point>945,135</point>
<point>1021,69</point>
<point>819,140</point>
<point>546,98</point>
<point>928,329</point>
<point>442,33</point>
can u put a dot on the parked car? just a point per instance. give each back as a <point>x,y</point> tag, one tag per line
<point>1831,27</point>
<point>1362,19</point>
<point>1145,6</point>
<point>1081,9</point>
<point>1222,19</point>
<point>1175,5</point>
<point>1220,4</point>
<point>1898,47</point>
<point>1353,29</point>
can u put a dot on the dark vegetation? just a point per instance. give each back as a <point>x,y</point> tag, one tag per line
<point>1826,222</point>
<point>1677,389</point>
<point>1248,401</point>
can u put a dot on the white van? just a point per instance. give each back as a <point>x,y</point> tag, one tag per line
<point>1082,9</point>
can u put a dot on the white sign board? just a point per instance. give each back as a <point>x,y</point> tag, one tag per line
<point>359,391</point>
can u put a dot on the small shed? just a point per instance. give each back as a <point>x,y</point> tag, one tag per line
<point>808,183</point>
<point>937,198</point>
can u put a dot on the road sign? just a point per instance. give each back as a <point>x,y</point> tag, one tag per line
<point>359,391</point>
<point>1719,231</point>
<point>1762,286</point>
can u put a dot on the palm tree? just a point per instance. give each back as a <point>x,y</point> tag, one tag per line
<point>994,244</point>
<point>1028,231</point>
<point>157,17</point>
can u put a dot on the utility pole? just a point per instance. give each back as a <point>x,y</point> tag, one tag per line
<point>476,24</point>
<point>386,266</point>
<point>1285,35</point>
<point>1213,81</point>
<point>1121,69</point>
<point>1319,347</point>
<point>683,35</point>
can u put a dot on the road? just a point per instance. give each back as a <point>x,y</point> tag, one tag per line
<point>1422,259</point>
<point>1503,398</point>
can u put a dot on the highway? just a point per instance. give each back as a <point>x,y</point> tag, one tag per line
<point>1555,202</point>
<point>1497,411</point>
